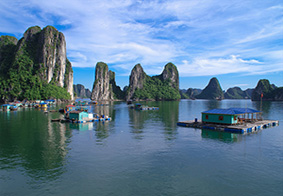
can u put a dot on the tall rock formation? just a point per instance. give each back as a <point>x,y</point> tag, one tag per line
<point>137,79</point>
<point>212,91</point>
<point>104,87</point>
<point>42,54</point>
<point>171,74</point>
<point>81,91</point>
<point>267,91</point>
<point>161,87</point>
<point>100,90</point>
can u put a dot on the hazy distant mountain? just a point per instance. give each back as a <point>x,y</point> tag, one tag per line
<point>81,92</point>
<point>237,93</point>
<point>190,93</point>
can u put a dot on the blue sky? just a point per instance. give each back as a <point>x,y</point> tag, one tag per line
<point>237,41</point>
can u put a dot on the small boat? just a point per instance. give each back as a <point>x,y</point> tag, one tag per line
<point>56,120</point>
<point>93,102</point>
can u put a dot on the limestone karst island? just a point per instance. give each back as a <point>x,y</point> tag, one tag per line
<point>36,67</point>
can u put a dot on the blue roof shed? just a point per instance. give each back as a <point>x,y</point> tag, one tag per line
<point>227,116</point>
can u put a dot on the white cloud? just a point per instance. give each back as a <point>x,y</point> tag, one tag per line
<point>217,66</point>
<point>123,33</point>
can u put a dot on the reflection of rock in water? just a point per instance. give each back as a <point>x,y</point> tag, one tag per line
<point>264,107</point>
<point>39,144</point>
<point>167,114</point>
<point>101,131</point>
<point>212,104</point>
<point>104,108</point>
<point>221,136</point>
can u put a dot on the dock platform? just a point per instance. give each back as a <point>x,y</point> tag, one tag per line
<point>81,121</point>
<point>238,128</point>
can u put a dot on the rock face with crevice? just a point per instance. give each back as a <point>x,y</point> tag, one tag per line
<point>137,79</point>
<point>41,53</point>
<point>104,87</point>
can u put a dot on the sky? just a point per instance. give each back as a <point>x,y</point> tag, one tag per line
<point>237,41</point>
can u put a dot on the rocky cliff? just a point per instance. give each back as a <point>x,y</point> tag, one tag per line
<point>161,87</point>
<point>212,91</point>
<point>171,74</point>
<point>81,92</point>
<point>137,79</point>
<point>267,91</point>
<point>104,87</point>
<point>115,91</point>
<point>40,57</point>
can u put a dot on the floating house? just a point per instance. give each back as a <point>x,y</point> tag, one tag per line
<point>43,105</point>
<point>50,101</point>
<point>231,116</point>
<point>69,108</point>
<point>234,120</point>
<point>78,115</point>
<point>6,107</point>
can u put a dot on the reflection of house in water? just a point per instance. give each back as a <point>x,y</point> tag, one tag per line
<point>221,136</point>
<point>82,126</point>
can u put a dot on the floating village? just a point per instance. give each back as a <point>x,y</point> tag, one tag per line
<point>74,113</point>
<point>232,120</point>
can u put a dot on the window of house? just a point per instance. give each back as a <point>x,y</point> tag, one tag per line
<point>206,116</point>
<point>220,117</point>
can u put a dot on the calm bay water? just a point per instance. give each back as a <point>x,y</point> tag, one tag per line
<point>139,153</point>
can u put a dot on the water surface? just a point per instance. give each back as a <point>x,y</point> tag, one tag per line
<point>139,153</point>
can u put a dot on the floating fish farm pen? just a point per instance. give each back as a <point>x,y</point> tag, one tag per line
<point>233,120</point>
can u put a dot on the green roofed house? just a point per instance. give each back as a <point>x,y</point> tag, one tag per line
<point>78,115</point>
<point>230,116</point>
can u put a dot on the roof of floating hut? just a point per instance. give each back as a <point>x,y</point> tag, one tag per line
<point>68,106</point>
<point>232,111</point>
<point>245,110</point>
<point>76,112</point>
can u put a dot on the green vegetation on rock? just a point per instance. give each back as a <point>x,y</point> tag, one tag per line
<point>22,74</point>
<point>267,91</point>
<point>155,89</point>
